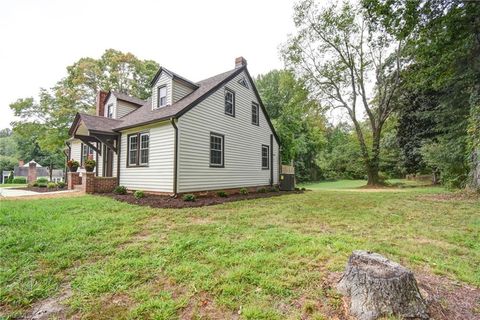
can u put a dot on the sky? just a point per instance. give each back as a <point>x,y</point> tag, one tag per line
<point>196,39</point>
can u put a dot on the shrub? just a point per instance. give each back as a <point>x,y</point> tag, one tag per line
<point>303,189</point>
<point>42,180</point>
<point>222,194</point>
<point>61,184</point>
<point>189,197</point>
<point>261,190</point>
<point>120,190</point>
<point>51,185</point>
<point>139,194</point>
<point>42,184</point>
<point>244,191</point>
<point>35,184</point>
<point>10,177</point>
<point>19,180</point>
<point>297,189</point>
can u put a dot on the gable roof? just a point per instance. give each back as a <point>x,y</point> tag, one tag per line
<point>124,97</point>
<point>146,115</point>
<point>94,123</point>
<point>174,76</point>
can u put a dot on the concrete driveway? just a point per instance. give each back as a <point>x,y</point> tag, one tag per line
<point>19,193</point>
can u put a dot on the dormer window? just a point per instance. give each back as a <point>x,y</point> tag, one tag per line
<point>162,96</point>
<point>110,110</point>
<point>229,102</point>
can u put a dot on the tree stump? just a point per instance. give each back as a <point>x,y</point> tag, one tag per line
<point>379,287</point>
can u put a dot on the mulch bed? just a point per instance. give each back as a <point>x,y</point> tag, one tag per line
<point>160,201</point>
<point>41,189</point>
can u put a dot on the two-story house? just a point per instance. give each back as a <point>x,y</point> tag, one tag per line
<point>187,137</point>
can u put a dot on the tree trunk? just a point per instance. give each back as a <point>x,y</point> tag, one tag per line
<point>372,175</point>
<point>378,287</point>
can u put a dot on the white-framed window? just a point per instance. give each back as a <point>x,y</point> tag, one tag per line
<point>217,144</point>
<point>110,110</point>
<point>265,157</point>
<point>144,145</point>
<point>132,149</point>
<point>162,96</point>
<point>255,113</point>
<point>229,102</point>
<point>138,149</point>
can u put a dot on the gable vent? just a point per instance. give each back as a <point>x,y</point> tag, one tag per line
<point>243,82</point>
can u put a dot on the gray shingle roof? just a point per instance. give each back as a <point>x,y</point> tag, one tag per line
<point>126,97</point>
<point>145,114</point>
<point>95,123</point>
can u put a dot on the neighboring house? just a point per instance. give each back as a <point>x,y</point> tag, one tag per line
<point>32,171</point>
<point>187,137</point>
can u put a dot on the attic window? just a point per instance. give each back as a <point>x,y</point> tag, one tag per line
<point>243,82</point>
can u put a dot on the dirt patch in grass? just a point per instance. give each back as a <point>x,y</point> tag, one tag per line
<point>160,201</point>
<point>446,299</point>
<point>51,308</point>
<point>456,196</point>
<point>203,306</point>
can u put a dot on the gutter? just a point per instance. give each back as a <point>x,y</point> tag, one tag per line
<point>175,160</point>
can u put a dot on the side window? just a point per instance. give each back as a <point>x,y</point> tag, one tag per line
<point>229,102</point>
<point>162,96</point>
<point>138,149</point>
<point>110,110</point>
<point>144,145</point>
<point>132,149</point>
<point>265,156</point>
<point>216,150</point>
<point>87,153</point>
<point>255,113</point>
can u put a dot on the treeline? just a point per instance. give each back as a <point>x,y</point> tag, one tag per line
<point>422,59</point>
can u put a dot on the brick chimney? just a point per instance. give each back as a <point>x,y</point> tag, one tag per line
<point>21,163</point>
<point>101,96</point>
<point>240,62</point>
<point>32,172</point>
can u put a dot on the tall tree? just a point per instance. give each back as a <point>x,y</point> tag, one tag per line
<point>52,113</point>
<point>442,40</point>
<point>341,57</point>
<point>298,120</point>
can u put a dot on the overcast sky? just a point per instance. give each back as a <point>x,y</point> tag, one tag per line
<point>197,39</point>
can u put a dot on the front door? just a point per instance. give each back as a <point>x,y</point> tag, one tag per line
<point>107,162</point>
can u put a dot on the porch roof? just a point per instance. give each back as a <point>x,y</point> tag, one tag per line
<point>94,124</point>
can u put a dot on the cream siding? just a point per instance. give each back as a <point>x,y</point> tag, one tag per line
<point>123,108</point>
<point>179,91</point>
<point>243,144</point>
<point>158,176</point>
<point>166,80</point>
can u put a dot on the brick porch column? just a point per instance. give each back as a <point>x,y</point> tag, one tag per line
<point>89,182</point>
<point>73,179</point>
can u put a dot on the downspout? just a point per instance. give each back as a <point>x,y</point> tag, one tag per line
<point>271,160</point>
<point>119,145</point>
<point>175,159</point>
<point>69,155</point>
<point>96,162</point>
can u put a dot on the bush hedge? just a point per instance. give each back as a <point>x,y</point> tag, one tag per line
<point>19,180</point>
<point>120,190</point>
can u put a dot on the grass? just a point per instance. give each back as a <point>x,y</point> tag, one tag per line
<point>12,185</point>
<point>261,259</point>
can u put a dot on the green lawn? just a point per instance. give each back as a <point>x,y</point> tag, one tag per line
<point>262,259</point>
